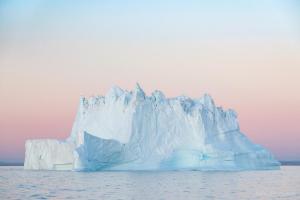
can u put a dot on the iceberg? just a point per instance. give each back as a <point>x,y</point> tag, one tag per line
<point>127,130</point>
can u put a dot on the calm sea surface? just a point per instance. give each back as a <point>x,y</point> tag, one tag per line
<point>15,183</point>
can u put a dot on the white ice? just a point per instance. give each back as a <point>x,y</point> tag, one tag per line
<point>131,131</point>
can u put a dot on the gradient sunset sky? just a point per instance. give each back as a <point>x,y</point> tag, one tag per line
<point>245,54</point>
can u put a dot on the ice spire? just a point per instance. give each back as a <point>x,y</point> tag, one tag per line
<point>138,92</point>
<point>208,101</point>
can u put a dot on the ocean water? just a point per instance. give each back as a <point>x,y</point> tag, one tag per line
<point>15,183</point>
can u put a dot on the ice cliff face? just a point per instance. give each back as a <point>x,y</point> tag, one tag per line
<point>131,131</point>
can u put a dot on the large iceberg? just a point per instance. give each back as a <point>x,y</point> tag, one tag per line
<point>127,130</point>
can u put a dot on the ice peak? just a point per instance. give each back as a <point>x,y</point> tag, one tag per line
<point>138,87</point>
<point>114,92</point>
<point>207,100</point>
<point>138,92</point>
<point>158,95</point>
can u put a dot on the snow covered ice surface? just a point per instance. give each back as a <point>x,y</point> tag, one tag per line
<point>127,130</point>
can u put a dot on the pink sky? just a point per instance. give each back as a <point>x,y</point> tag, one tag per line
<point>247,56</point>
<point>267,102</point>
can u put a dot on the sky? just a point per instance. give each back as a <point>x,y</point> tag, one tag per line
<point>245,54</point>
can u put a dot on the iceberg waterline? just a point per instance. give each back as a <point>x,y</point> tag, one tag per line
<point>127,130</point>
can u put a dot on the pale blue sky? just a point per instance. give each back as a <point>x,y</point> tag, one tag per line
<point>143,20</point>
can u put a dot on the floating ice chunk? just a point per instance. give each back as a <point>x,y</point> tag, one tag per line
<point>49,154</point>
